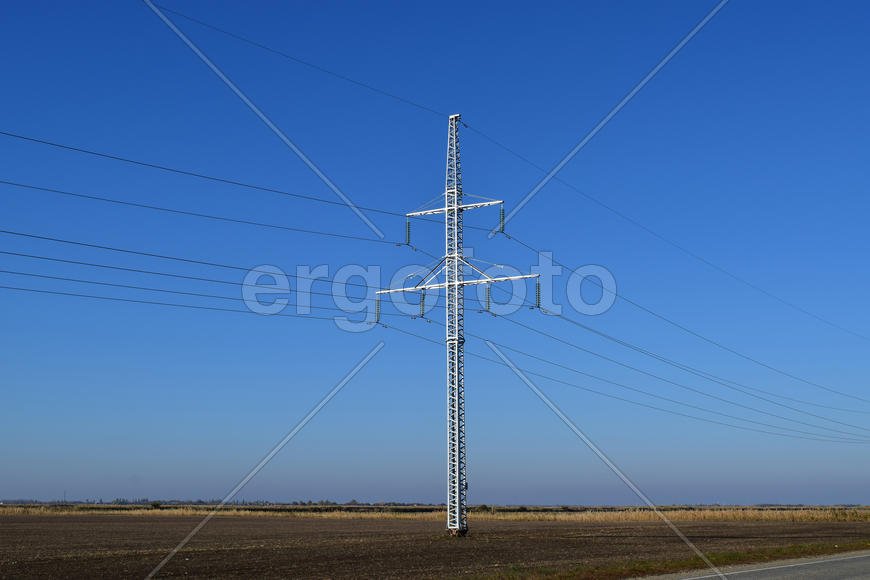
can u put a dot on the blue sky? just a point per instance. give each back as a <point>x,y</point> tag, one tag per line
<point>748,148</point>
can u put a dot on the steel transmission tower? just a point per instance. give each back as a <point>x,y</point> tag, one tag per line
<point>452,266</point>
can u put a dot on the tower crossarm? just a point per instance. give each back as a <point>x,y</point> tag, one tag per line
<point>463,283</point>
<point>461,208</point>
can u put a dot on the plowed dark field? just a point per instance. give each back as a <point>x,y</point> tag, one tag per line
<point>129,546</point>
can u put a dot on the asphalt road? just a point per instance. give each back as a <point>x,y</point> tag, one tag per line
<point>841,567</point>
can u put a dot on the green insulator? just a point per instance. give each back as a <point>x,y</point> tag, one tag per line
<point>422,304</point>
<point>408,232</point>
<point>487,297</point>
<point>501,218</point>
<point>377,310</point>
<point>538,294</point>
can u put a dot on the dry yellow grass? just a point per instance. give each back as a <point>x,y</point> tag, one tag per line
<point>580,515</point>
<point>701,514</point>
<point>174,511</point>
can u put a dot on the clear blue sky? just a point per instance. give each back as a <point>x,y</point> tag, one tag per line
<point>749,148</point>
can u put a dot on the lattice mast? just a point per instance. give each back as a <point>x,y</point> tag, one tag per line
<point>452,266</point>
<point>456,476</point>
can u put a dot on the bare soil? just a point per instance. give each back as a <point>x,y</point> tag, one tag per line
<point>122,546</point>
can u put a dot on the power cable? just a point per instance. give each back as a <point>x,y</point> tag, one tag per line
<point>198,214</point>
<point>514,238</point>
<point>600,393</point>
<point>214,264</point>
<point>529,162</point>
<point>305,63</point>
<point>132,252</point>
<point>235,284</point>
<point>176,292</point>
<point>528,246</point>
<point>616,397</point>
<point>655,395</point>
<point>699,335</point>
<point>216,179</point>
<point>731,387</point>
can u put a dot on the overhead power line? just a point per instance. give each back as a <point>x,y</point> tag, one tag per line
<point>506,347</point>
<point>236,299</point>
<point>731,384</point>
<point>177,292</point>
<point>650,393</point>
<point>129,252</point>
<point>182,276</point>
<point>685,387</point>
<point>625,217</point>
<point>702,373</point>
<point>199,214</point>
<point>226,181</point>
<point>313,279</point>
<point>631,401</point>
<point>302,230</point>
<point>433,341</point>
<point>306,63</point>
<point>680,366</point>
<point>153,302</point>
<point>706,374</point>
<point>731,387</point>
<point>694,333</point>
<point>674,244</point>
<point>357,299</point>
<point>311,198</point>
<point>526,245</point>
<point>236,284</point>
<point>680,385</point>
<point>175,259</point>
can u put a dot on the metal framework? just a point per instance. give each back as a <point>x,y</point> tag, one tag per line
<point>452,266</point>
